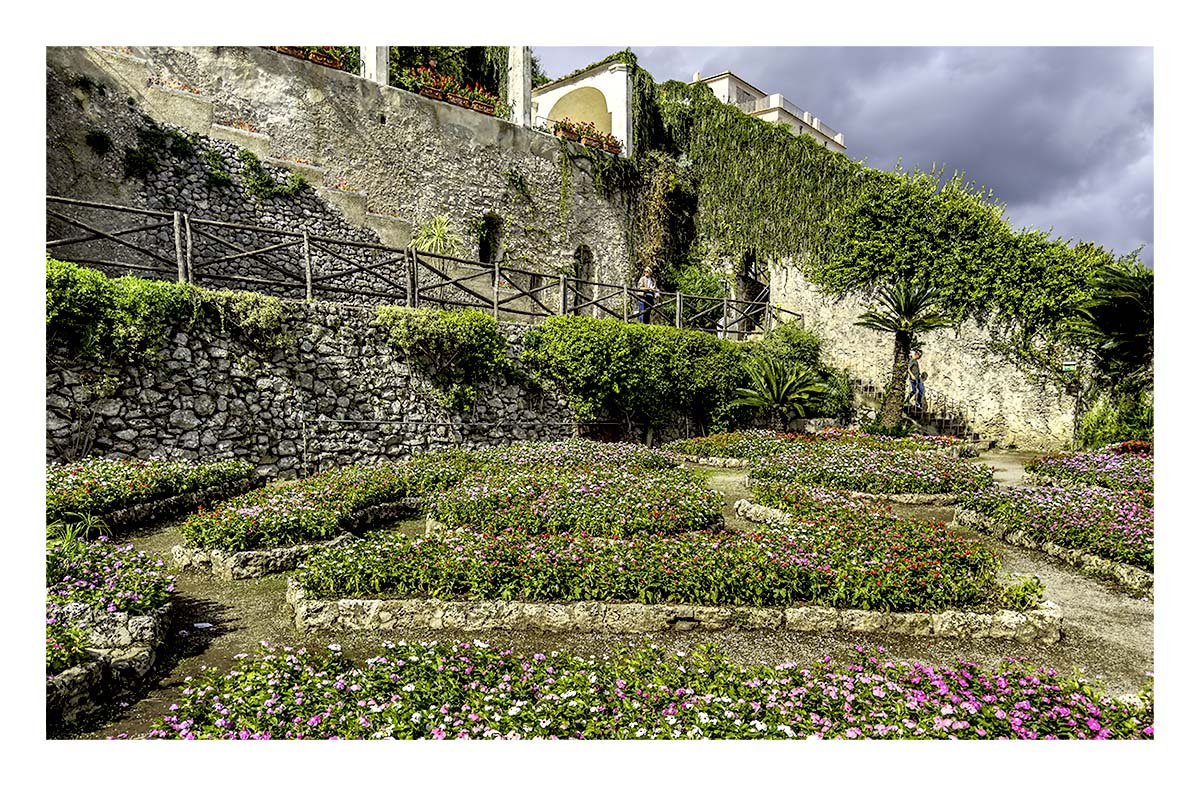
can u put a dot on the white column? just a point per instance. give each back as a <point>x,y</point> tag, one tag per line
<point>620,100</point>
<point>520,84</point>
<point>374,63</point>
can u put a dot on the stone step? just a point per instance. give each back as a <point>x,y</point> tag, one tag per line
<point>392,231</point>
<point>313,175</point>
<point>257,143</point>
<point>179,107</point>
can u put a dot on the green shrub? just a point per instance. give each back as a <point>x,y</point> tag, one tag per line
<point>1108,421</point>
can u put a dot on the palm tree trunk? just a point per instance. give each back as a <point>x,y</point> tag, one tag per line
<point>893,402</point>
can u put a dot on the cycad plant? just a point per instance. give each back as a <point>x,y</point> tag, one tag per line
<point>1117,326</point>
<point>779,389</point>
<point>905,310</point>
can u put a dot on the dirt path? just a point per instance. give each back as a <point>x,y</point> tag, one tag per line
<point>1108,635</point>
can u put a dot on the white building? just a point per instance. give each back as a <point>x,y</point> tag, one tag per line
<point>773,108</point>
<point>602,95</point>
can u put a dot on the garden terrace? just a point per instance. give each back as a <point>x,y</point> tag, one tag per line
<point>749,444</point>
<point>1109,467</point>
<point>473,691</point>
<point>129,492</point>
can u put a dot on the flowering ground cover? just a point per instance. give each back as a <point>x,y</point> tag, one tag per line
<point>97,486</point>
<point>856,467</point>
<point>312,509</point>
<point>104,576</point>
<point>1112,466</point>
<point>473,691</point>
<point>863,562</point>
<point>1116,525</point>
<point>757,443</point>
<point>602,500</point>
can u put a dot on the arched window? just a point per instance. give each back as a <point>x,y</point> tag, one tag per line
<point>491,238</point>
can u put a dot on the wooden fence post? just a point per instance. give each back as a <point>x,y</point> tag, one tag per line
<point>181,271</point>
<point>562,294</point>
<point>187,234</point>
<point>307,269</point>
<point>679,309</point>
<point>414,270</point>
<point>496,290</point>
<point>625,302</point>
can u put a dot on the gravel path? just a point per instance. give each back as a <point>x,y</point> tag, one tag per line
<point>1108,635</point>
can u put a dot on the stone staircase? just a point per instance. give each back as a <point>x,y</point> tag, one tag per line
<point>194,112</point>
<point>941,417</point>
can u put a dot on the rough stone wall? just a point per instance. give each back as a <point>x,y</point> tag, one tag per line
<point>1000,401</point>
<point>338,394</point>
<point>415,158</point>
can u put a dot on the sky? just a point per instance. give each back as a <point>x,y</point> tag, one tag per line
<point>1064,136</point>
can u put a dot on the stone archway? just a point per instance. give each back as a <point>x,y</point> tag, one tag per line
<point>586,104</point>
<point>584,270</point>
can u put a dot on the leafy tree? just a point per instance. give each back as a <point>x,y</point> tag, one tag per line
<point>780,389</point>
<point>905,310</point>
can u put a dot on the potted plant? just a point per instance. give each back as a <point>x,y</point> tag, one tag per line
<point>565,129</point>
<point>611,144</point>
<point>321,55</point>
<point>294,51</point>
<point>424,80</point>
<point>482,100</point>
<point>589,134</point>
<point>456,94</point>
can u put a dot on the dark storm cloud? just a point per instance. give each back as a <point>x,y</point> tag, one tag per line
<point>1062,135</point>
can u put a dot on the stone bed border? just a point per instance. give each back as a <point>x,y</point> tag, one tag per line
<point>359,614</point>
<point>235,565</point>
<point>1037,479</point>
<point>122,651</point>
<point>1130,578</point>
<point>166,508</point>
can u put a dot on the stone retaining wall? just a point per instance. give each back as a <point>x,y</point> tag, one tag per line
<point>1132,579</point>
<point>122,650</point>
<point>350,614</point>
<point>235,565</point>
<point>336,394</point>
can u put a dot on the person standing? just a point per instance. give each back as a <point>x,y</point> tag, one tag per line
<point>916,383</point>
<point>647,293</point>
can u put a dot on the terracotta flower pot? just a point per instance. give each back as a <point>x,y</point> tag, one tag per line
<point>483,106</point>
<point>612,147</point>
<point>429,92</point>
<point>458,100</point>
<point>324,58</point>
<point>592,141</point>
<point>294,51</point>
<point>570,136</point>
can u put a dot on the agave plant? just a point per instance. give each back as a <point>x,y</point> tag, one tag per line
<point>781,390</point>
<point>438,237</point>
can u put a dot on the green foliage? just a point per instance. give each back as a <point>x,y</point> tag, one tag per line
<point>644,372</point>
<point>128,320</point>
<point>155,142</point>
<point>779,389</point>
<point>260,184</point>
<point>1023,594</point>
<point>485,65</point>
<point>951,236</point>
<point>515,182</point>
<point>437,236</point>
<point>1109,420</point>
<point>218,175</point>
<point>1116,325</point>
<point>455,348</point>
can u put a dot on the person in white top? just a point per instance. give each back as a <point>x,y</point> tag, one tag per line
<point>647,293</point>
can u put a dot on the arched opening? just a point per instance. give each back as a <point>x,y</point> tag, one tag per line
<point>491,237</point>
<point>583,272</point>
<point>587,104</point>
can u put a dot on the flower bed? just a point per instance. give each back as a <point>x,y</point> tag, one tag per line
<point>106,607</point>
<point>855,467</point>
<point>114,489</point>
<point>1111,524</point>
<point>441,691</point>
<point>313,509</point>
<point>759,443</point>
<point>891,565</point>
<point>1110,467</point>
<point>601,501</point>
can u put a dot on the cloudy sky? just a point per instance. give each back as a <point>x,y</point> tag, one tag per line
<point>1062,135</point>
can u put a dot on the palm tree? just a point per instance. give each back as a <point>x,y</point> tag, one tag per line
<point>782,390</point>
<point>904,310</point>
<point>1117,325</point>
